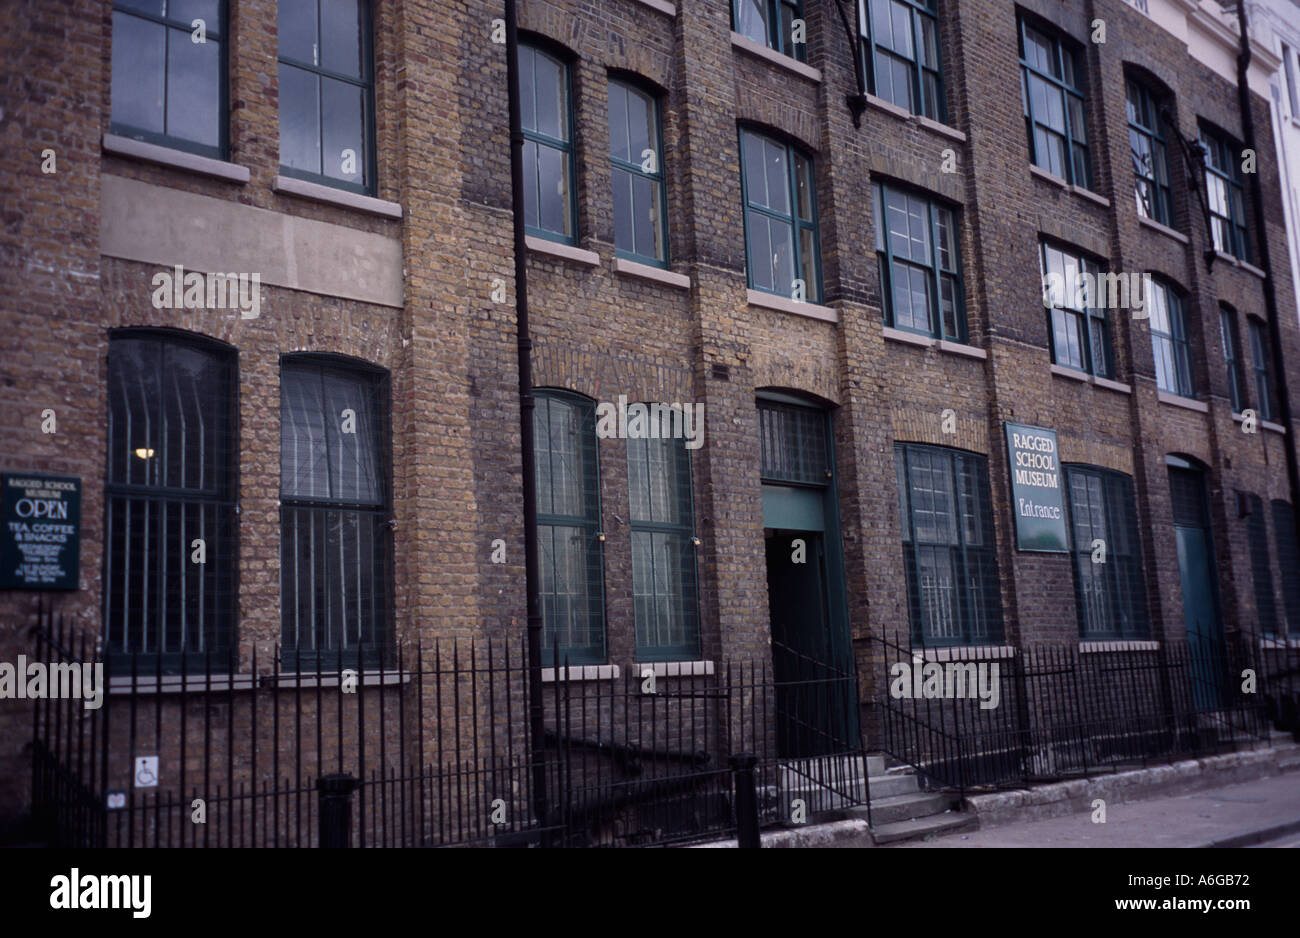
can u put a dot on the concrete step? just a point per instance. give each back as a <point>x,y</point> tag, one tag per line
<point>893,783</point>
<point>910,806</point>
<point>950,822</point>
<point>875,765</point>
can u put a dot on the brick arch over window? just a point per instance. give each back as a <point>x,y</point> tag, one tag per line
<point>604,377</point>
<point>774,373</point>
<point>769,115</point>
<point>924,423</point>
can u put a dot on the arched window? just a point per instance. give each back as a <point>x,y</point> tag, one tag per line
<point>780,202</point>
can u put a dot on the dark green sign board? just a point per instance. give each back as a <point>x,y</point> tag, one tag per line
<point>1036,500</point>
<point>40,531</point>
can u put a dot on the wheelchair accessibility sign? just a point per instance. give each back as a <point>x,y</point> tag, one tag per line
<point>146,771</point>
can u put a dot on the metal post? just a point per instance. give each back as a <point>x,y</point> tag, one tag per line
<point>742,771</point>
<point>336,809</point>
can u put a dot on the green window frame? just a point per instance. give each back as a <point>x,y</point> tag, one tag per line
<point>900,54</point>
<point>1110,595</point>
<point>168,89</point>
<point>1146,136</point>
<point>918,248</point>
<point>1225,195</point>
<point>1259,368</point>
<point>1078,334</point>
<point>770,23</point>
<point>171,476</point>
<point>1169,340</point>
<point>336,567</point>
<point>1231,358</point>
<point>327,93</point>
<point>568,529</point>
<point>640,196</point>
<point>1051,88</point>
<point>1288,563</point>
<point>1261,569</point>
<point>780,200</point>
<point>661,523</point>
<point>949,552</point>
<point>550,169</point>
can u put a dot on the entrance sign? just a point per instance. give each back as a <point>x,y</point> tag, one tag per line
<point>40,531</point>
<point>1036,499</point>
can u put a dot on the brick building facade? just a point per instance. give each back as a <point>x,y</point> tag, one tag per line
<point>406,267</point>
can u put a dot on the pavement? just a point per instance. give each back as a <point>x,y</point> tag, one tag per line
<point>1265,812</point>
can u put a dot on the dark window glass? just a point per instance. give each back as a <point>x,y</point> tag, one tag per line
<point>780,218</point>
<point>793,445</point>
<point>919,254</point>
<point>1225,195</point>
<point>327,92</point>
<point>1052,95</point>
<point>335,568</point>
<point>1231,358</point>
<point>948,548</point>
<point>1169,342</point>
<point>636,170</point>
<point>168,87</point>
<point>663,549</point>
<point>568,528</point>
<point>1078,325</point>
<point>900,53</point>
<point>771,23</point>
<point>1288,563</point>
<point>1109,590</point>
<point>170,483</point>
<point>549,173</point>
<point>1259,352</point>
<point>1261,572</point>
<point>1146,136</point>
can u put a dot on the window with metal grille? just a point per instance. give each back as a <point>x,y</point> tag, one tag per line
<point>1232,360</point>
<point>1187,495</point>
<point>327,93</point>
<point>1259,351</point>
<point>948,549</point>
<point>663,549</point>
<point>550,173</point>
<point>900,53</point>
<point>1107,577</point>
<point>167,87</point>
<point>637,173</point>
<point>568,528</point>
<point>1224,195</point>
<point>1052,95</point>
<point>793,444</point>
<point>920,263</point>
<point>770,23</point>
<point>1146,138</point>
<point>1261,572</point>
<point>169,546</point>
<point>1078,329</point>
<point>335,544</point>
<point>1169,341</point>
<point>1288,563</point>
<point>780,218</point>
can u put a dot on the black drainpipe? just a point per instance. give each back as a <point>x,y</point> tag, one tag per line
<point>1266,264</point>
<point>532,580</point>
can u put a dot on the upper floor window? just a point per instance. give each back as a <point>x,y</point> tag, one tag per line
<point>637,173</point>
<point>1078,328</point>
<point>948,549</point>
<point>1169,341</point>
<point>1289,75</point>
<point>920,263</point>
<point>1224,195</point>
<point>780,218</point>
<point>772,23</point>
<point>168,82</point>
<point>1052,94</point>
<point>1231,357</point>
<point>550,176</point>
<point>663,549</point>
<point>900,51</point>
<point>1146,138</point>
<point>1107,577</point>
<point>335,553</point>
<point>1259,350</point>
<point>170,483</point>
<point>568,529</point>
<point>327,92</point>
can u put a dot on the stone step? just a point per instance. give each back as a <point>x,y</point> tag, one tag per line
<point>875,765</point>
<point>907,807</point>
<point>894,783</point>
<point>950,822</point>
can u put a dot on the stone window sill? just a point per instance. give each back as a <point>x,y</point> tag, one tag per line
<point>172,684</point>
<point>1061,371</point>
<point>1266,424</point>
<point>317,192</point>
<point>903,113</point>
<point>1082,376</point>
<point>1068,186</point>
<point>176,159</point>
<point>648,272</point>
<point>927,341</point>
<point>663,7</point>
<point>1252,269</point>
<point>586,672</point>
<point>1177,400</point>
<point>567,251</point>
<point>958,348</point>
<point>794,307</point>
<point>1163,229</point>
<point>675,668</point>
<point>745,44</point>
<point>1091,196</point>
<point>1118,645</point>
<point>969,653</point>
<point>369,677</point>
